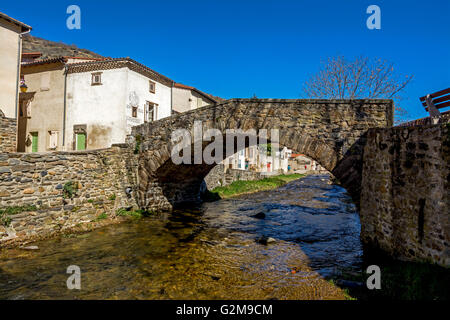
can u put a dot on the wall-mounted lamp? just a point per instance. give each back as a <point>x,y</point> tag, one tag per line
<point>23,86</point>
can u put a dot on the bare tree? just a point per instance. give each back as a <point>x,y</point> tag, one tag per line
<point>362,78</point>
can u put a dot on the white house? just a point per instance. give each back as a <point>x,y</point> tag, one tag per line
<point>78,104</point>
<point>120,93</point>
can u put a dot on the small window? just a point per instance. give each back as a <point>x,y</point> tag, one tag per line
<point>96,79</point>
<point>152,87</point>
<point>134,112</point>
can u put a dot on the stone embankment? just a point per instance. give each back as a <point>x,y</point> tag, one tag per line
<point>45,193</point>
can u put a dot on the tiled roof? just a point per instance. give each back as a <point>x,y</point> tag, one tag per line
<point>24,27</point>
<point>86,58</point>
<point>44,61</point>
<point>117,63</point>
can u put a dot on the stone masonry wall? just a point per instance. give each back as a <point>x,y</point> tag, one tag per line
<point>405,192</point>
<point>99,177</point>
<point>8,134</point>
<point>219,177</point>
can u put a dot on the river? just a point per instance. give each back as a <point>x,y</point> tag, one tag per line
<point>211,252</point>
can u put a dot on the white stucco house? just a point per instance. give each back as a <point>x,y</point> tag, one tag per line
<point>78,103</point>
<point>105,99</point>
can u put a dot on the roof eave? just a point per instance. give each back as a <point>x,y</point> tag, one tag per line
<point>23,27</point>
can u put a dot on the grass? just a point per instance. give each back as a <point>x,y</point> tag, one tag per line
<point>17,209</point>
<point>242,187</point>
<point>102,216</point>
<point>5,213</point>
<point>136,214</point>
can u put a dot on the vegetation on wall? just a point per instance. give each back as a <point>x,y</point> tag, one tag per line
<point>69,190</point>
<point>5,213</point>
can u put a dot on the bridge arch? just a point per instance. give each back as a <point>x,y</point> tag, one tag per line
<point>332,132</point>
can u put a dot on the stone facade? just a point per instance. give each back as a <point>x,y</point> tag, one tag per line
<point>8,134</point>
<point>405,192</point>
<point>219,176</point>
<point>65,188</point>
<point>332,132</point>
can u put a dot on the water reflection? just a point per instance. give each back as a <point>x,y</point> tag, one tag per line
<point>205,253</point>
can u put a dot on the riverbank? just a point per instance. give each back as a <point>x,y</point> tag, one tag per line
<point>238,188</point>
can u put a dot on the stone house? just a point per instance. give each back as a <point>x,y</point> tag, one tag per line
<point>11,32</point>
<point>187,98</point>
<point>88,103</point>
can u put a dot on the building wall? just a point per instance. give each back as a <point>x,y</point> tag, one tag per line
<point>9,55</point>
<point>181,99</point>
<point>47,105</point>
<point>139,93</point>
<point>101,108</point>
<point>186,99</point>
<point>8,134</point>
<point>405,201</point>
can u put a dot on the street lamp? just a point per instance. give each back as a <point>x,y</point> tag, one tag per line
<point>23,86</point>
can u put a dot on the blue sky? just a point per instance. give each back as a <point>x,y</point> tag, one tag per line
<point>235,49</point>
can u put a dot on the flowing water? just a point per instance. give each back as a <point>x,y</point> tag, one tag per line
<point>210,252</point>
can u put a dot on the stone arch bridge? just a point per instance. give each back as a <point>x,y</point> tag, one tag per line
<point>332,132</point>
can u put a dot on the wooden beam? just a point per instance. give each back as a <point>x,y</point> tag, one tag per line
<point>437,94</point>
<point>439,100</point>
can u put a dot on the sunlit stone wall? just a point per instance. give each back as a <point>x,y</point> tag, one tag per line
<point>60,190</point>
<point>8,129</point>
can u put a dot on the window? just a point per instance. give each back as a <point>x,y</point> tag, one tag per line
<point>96,79</point>
<point>151,112</point>
<point>152,87</point>
<point>134,112</point>
<point>199,102</point>
<point>52,140</point>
